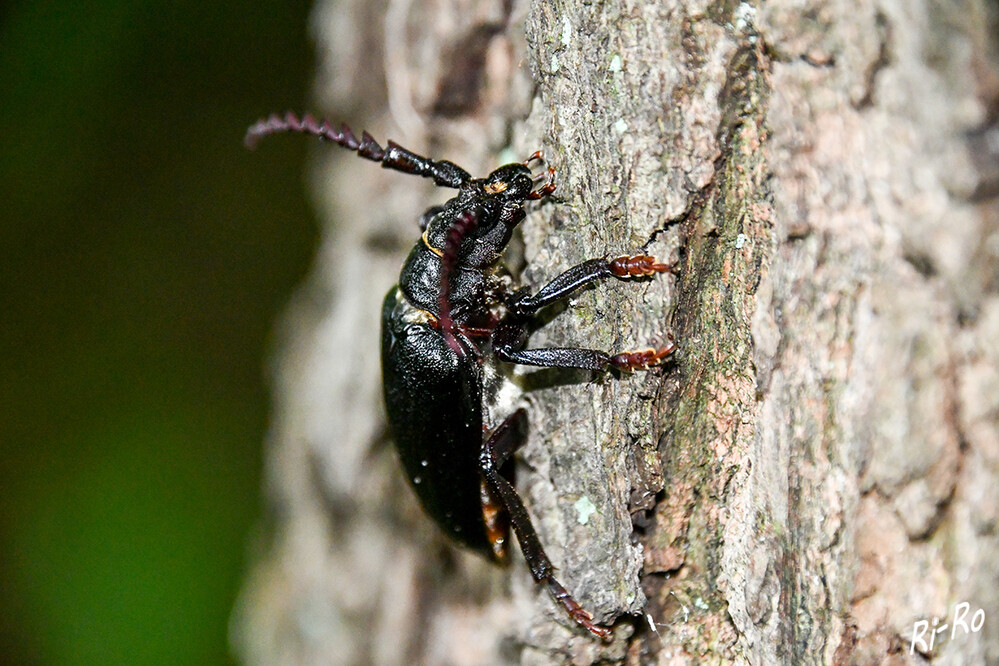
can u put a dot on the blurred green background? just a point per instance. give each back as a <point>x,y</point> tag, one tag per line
<point>146,259</point>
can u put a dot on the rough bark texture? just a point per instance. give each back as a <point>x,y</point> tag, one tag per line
<point>818,469</point>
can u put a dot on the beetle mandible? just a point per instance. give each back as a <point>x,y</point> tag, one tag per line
<point>444,327</point>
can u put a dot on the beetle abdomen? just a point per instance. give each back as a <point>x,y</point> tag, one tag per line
<point>433,398</point>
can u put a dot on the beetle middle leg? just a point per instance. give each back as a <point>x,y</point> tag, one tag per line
<point>503,441</point>
<point>586,359</point>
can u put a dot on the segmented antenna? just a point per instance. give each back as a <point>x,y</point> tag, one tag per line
<point>393,156</point>
<point>307,124</point>
<point>464,225</point>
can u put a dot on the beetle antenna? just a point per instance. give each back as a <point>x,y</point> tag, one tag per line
<point>464,225</point>
<point>393,156</point>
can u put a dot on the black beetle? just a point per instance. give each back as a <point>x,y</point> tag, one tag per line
<point>444,326</point>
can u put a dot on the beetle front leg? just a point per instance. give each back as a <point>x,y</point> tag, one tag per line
<point>500,444</point>
<point>577,277</point>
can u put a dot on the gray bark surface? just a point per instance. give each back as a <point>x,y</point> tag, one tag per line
<point>817,470</point>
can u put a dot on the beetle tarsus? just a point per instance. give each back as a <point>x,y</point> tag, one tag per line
<point>547,188</point>
<point>643,359</point>
<point>576,612</point>
<point>639,265</point>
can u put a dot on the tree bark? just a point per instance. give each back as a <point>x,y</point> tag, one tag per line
<point>818,468</point>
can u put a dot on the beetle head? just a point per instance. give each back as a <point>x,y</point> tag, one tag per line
<point>511,182</point>
<point>497,204</point>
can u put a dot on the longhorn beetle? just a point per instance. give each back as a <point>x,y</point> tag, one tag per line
<point>445,326</point>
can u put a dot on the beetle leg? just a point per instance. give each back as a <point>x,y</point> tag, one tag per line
<point>643,359</point>
<point>579,276</point>
<point>537,155</point>
<point>555,357</point>
<point>545,189</point>
<point>503,441</point>
<point>585,359</point>
<point>508,437</point>
<point>393,156</point>
<point>496,521</point>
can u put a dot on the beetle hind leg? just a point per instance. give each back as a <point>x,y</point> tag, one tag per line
<point>508,437</point>
<point>495,450</point>
<point>504,441</point>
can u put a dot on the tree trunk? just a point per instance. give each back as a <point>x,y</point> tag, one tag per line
<point>818,468</point>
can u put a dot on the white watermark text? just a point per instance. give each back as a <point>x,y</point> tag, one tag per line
<point>927,633</point>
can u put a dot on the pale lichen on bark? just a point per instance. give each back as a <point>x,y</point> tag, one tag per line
<point>818,468</point>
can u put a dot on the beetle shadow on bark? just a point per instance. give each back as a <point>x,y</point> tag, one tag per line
<point>546,378</point>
